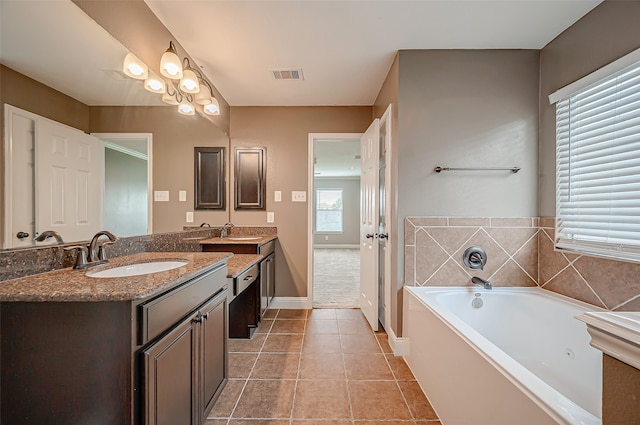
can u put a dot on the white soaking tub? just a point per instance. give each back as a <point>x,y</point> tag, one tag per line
<point>520,358</point>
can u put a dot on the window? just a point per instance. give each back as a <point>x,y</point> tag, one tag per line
<point>329,210</point>
<point>598,167</point>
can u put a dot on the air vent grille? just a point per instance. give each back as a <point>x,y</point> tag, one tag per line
<point>287,74</point>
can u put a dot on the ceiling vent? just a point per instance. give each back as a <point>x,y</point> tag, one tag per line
<point>287,74</point>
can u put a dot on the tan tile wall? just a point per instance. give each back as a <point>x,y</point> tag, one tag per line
<point>520,253</point>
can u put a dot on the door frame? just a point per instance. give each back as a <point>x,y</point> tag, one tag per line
<point>310,201</point>
<point>386,122</point>
<point>148,137</point>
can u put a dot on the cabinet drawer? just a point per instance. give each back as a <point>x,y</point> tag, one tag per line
<point>245,279</point>
<point>161,313</point>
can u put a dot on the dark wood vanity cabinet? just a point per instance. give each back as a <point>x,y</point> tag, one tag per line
<point>161,360</point>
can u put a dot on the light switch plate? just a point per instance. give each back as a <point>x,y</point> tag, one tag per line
<point>277,196</point>
<point>161,195</point>
<point>189,216</point>
<point>182,196</point>
<point>270,217</point>
<point>299,196</point>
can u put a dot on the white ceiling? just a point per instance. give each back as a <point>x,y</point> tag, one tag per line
<point>345,48</point>
<point>336,158</point>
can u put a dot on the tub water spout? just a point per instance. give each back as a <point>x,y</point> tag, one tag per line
<point>477,280</point>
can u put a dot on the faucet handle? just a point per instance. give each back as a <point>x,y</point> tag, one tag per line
<point>102,253</point>
<point>81,258</point>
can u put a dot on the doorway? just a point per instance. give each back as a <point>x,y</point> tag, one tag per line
<point>334,254</point>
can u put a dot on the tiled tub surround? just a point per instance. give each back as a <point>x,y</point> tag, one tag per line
<point>24,262</point>
<point>520,253</point>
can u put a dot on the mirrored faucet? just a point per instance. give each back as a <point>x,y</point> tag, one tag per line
<point>477,280</point>
<point>223,229</point>
<point>49,234</point>
<point>101,255</point>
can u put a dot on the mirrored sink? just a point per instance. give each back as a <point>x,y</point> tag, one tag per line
<point>137,269</point>
<point>244,238</point>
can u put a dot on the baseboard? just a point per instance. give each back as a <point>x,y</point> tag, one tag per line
<point>291,303</point>
<point>397,344</point>
<point>336,246</point>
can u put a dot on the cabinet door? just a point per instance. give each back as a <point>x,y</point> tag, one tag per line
<point>271,289</point>
<point>214,351</point>
<point>170,378</point>
<point>267,281</point>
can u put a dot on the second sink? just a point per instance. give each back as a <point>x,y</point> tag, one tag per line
<point>137,269</point>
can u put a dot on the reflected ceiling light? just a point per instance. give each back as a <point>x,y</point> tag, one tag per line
<point>134,67</point>
<point>154,84</point>
<point>212,108</point>
<point>170,96</point>
<point>204,96</point>
<point>189,81</point>
<point>185,107</point>
<point>170,64</point>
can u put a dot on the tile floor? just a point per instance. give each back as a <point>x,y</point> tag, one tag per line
<point>321,366</point>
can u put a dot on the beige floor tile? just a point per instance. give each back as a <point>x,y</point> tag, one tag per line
<point>264,326</point>
<point>292,326</point>
<point>270,314</point>
<point>240,364</point>
<point>321,343</point>
<point>418,403</point>
<point>353,326</point>
<point>383,340</point>
<point>283,343</point>
<point>377,400</point>
<point>384,422</point>
<point>349,313</point>
<point>321,366</point>
<point>399,368</point>
<point>321,422</point>
<point>322,399</point>
<point>253,345</point>
<point>227,400</point>
<point>322,314</point>
<point>322,327</point>
<point>362,343</point>
<point>266,399</point>
<point>276,366</point>
<point>215,422</point>
<point>292,314</point>
<point>259,422</point>
<point>367,367</point>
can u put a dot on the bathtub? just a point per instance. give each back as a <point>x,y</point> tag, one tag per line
<point>520,358</point>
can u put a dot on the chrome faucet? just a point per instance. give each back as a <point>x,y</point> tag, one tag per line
<point>101,255</point>
<point>476,280</point>
<point>223,229</point>
<point>49,234</point>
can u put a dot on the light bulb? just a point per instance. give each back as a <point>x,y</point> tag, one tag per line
<point>170,65</point>
<point>189,82</point>
<point>154,84</point>
<point>186,108</point>
<point>134,67</point>
<point>212,108</point>
<point>204,96</point>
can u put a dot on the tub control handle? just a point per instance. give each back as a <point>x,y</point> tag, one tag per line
<point>474,258</point>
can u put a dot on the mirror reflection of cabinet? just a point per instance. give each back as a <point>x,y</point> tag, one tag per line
<point>209,178</point>
<point>250,184</point>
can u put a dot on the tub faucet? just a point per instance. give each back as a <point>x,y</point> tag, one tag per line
<point>476,280</point>
<point>49,234</point>
<point>101,254</point>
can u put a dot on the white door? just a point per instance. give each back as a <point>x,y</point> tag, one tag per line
<point>69,178</point>
<point>369,204</point>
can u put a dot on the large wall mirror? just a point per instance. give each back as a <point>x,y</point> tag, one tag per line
<point>73,77</point>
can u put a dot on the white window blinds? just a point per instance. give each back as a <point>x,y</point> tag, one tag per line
<point>598,167</point>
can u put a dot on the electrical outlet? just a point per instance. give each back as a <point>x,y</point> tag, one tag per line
<point>189,216</point>
<point>182,196</point>
<point>161,196</point>
<point>270,217</point>
<point>298,196</point>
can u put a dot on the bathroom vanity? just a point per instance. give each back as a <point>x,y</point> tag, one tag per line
<point>147,349</point>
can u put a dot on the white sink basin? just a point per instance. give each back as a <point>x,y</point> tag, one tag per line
<point>244,238</point>
<point>138,269</point>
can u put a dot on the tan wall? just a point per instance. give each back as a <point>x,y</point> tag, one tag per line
<point>284,131</point>
<point>22,92</point>
<point>174,137</point>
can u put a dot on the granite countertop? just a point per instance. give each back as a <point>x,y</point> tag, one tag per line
<point>241,262</point>
<point>239,240</point>
<point>69,285</point>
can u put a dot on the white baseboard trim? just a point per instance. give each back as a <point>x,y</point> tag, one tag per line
<point>398,345</point>
<point>336,246</point>
<point>291,303</point>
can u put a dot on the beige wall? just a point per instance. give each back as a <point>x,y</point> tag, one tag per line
<point>174,137</point>
<point>284,131</point>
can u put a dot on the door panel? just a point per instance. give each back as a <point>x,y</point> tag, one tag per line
<point>69,176</point>
<point>369,204</point>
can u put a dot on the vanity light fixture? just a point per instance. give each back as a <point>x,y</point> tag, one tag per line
<point>185,107</point>
<point>189,82</point>
<point>134,67</point>
<point>170,96</point>
<point>212,108</point>
<point>170,64</point>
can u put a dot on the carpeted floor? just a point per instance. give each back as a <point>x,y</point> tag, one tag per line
<point>336,278</point>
